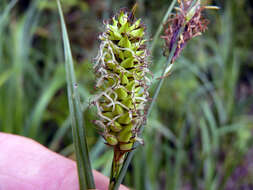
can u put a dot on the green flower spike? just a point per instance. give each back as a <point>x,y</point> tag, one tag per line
<point>121,68</point>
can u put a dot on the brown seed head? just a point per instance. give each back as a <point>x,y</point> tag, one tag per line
<point>188,17</point>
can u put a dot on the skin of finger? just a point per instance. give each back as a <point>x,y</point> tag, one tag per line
<point>27,165</point>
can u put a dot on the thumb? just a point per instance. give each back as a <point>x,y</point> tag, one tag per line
<point>27,165</point>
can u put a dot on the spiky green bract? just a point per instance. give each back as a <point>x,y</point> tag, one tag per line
<point>122,68</point>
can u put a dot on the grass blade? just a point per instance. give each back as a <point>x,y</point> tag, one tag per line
<point>5,76</point>
<point>61,132</point>
<point>208,169</point>
<point>33,128</point>
<point>86,180</point>
<point>5,14</point>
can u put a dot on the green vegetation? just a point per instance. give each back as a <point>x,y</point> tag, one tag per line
<point>199,133</point>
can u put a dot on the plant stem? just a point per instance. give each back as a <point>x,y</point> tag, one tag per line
<point>117,162</point>
<point>129,155</point>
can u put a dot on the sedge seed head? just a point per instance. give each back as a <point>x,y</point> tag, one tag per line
<point>121,68</point>
<point>189,17</point>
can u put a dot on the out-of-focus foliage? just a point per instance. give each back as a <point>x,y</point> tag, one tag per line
<point>199,135</point>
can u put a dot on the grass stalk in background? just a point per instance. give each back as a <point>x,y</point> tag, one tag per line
<point>160,28</point>
<point>86,180</point>
<point>5,14</point>
<point>4,76</point>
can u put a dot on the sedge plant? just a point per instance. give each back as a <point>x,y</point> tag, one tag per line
<point>122,82</point>
<point>217,125</point>
<point>179,29</point>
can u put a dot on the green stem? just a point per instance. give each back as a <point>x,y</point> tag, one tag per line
<point>129,155</point>
<point>160,28</point>
<point>117,162</point>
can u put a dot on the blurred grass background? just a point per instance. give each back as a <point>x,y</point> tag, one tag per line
<point>199,135</point>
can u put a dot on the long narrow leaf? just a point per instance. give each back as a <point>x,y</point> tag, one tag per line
<point>86,180</point>
<point>47,94</point>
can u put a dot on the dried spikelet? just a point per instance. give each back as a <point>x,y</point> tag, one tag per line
<point>188,17</point>
<point>121,68</point>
